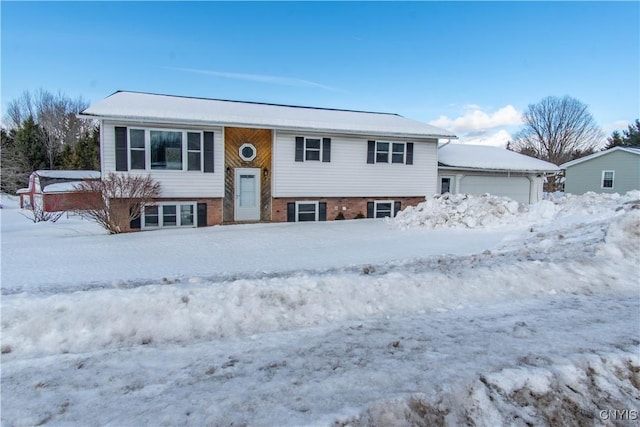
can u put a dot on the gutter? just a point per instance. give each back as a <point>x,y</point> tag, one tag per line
<point>468,169</point>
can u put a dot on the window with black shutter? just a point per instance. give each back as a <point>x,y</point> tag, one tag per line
<point>208,152</point>
<point>313,149</point>
<point>121,148</point>
<point>390,152</point>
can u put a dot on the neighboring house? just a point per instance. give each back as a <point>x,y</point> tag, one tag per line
<point>616,170</point>
<point>228,161</point>
<point>55,190</point>
<point>479,169</point>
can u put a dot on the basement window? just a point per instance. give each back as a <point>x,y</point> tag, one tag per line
<point>383,209</point>
<point>169,215</point>
<point>306,211</point>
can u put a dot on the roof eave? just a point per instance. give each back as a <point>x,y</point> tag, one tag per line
<point>471,169</point>
<point>261,126</point>
<point>596,155</point>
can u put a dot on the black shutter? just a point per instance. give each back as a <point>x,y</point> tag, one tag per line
<point>409,153</point>
<point>396,208</point>
<point>371,152</point>
<point>322,211</point>
<point>299,149</point>
<point>136,224</point>
<point>121,149</point>
<point>291,212</point>
<point>370,208</point>
<point>202,214</point>
<point>208,152</point>
<point>326,149</point>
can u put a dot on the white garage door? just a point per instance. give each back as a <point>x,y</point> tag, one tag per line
<point>516,188</point>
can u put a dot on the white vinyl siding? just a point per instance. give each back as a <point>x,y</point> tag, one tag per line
<point>348,174</point>
<point>174,183</point>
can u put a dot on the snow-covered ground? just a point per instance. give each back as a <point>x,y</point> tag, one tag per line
<point>465,310</point>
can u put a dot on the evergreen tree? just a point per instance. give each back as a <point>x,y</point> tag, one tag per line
<point>67,158</point>
<point>87,151</point>
<point>29,145</point>
<point>12,169</point>
<point>629,137</point>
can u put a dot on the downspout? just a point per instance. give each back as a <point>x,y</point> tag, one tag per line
<point>445,144</point>
<point>533,194</point>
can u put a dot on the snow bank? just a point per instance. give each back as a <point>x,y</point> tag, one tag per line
<point>580,391</point>
<point>179,312</point>
<point>487,211</point>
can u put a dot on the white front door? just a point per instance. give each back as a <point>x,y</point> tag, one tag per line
<point>247,185</point>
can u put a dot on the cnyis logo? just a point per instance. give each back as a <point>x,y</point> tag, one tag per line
<point>619,414</point>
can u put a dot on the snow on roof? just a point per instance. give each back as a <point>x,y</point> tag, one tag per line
<point>62,187</point>
<point>632,150</point>
<point>136,106</point>
<point>490,158</point>
<point>68,174</point>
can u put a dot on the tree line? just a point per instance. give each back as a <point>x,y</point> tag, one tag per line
<point>43,132</point>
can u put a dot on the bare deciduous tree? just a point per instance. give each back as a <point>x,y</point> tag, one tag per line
<point>56,114</point>
<point>557,130</point>
<point>116,200</point>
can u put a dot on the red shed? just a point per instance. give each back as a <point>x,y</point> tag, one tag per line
<point>55,190</point>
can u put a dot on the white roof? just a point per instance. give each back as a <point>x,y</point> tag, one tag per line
<point>490,158</point>
<point>68,174</point>
<point>633,150</point>
<point>135,106</point>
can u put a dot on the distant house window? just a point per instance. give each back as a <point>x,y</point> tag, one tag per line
<point>169,215</point>
<point>607,179</point>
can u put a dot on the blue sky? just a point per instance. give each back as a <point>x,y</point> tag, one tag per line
<point>469,67</point>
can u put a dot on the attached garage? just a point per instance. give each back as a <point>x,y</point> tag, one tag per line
<point>514,187</point>
<point>479,169</point>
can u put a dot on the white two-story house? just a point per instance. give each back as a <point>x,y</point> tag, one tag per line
<point>227,161</point>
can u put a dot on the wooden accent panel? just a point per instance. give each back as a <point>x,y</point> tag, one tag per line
<point>261,139</point>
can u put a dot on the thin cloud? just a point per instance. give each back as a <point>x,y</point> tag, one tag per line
<point>475,119</point>
<point>495,139</point>
<point>476,126</point>
<point>277,80</point>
